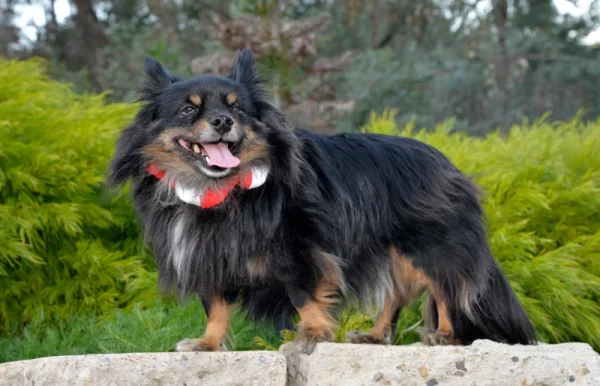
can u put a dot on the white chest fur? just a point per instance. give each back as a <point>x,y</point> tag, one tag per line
<point>180,247</point>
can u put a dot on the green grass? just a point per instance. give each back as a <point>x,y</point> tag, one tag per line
<point>155,329</point>
<point>159,327</point>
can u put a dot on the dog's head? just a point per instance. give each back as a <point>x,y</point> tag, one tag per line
<point>202,129</point>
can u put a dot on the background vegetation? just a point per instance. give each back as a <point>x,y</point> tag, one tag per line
<point>486,63</point>
<point>74,276</point>
<point>66,245</point>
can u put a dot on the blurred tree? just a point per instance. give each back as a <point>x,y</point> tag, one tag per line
<point>9,34</point>
<point>91,39</point>
<point>487,63</point>
<point>286,45</point>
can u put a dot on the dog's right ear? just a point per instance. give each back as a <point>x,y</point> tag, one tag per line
<point>244,72</point>
<point>243,69</point>
<point>157,78</point>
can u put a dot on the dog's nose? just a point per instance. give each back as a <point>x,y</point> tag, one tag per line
<point>221,123</point>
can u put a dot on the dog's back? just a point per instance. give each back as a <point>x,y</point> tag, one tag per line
<point>403,220</point>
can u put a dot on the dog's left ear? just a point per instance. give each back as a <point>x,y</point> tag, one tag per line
<point>157,79</point>
<point>157,73</point>
<point>244,71</point>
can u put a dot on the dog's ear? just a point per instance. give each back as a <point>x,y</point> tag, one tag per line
<point>244,72</point>
<point>157,78</point>
<point>243,69</point>
<point>157,72</point>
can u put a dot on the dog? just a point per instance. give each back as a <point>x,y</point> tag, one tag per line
<point>241,207</point>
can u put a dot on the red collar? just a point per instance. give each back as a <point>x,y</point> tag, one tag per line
<point>208,198</point>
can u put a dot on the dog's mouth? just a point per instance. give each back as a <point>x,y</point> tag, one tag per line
<point>217,156</point>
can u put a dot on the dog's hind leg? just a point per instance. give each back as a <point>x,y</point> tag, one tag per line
<point>316,322</point>
<point>438,325</point>
<point>409,283</point>
<point>219,313</point>
<point>384,328</point>
<point>316,304</point>
<point>412,281</point>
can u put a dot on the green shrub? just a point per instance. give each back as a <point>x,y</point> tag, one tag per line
<point>66,246</point>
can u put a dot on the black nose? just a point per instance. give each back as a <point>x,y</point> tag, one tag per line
<point>221,123</point>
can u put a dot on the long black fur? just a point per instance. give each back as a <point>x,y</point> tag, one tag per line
<point>351,196</point>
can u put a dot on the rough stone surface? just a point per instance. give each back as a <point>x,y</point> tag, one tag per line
<point>198,368</point>
<point>483,363</point>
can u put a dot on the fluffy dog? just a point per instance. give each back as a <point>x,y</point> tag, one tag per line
<point>239,206</point>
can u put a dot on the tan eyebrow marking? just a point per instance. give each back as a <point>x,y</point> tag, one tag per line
<point>231,98</point>
<point>195,99</point>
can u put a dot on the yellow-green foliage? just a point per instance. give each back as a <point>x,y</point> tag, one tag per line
<point>68,247</point>
<point>65,246</point>
<point>542,198</point>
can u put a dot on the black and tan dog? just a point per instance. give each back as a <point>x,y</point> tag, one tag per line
<point>239,206</point>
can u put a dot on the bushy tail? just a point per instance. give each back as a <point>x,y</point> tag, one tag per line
<point>495,314</point>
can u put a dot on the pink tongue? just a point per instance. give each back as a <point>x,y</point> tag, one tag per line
<point>220,155</point>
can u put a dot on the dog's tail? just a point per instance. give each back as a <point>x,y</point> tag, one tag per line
<point>494,313</point>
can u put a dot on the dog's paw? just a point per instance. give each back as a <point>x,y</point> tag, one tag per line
<point>436,338</point>
<point>367,338</point>
<point>202,344</point>
<point>308,339</point>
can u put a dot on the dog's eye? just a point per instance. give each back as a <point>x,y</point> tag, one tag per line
<point>187,110</point>
<point>238,109</point>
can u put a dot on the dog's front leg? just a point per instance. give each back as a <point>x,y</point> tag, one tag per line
<point>219,312</point>
<point>316,322</point>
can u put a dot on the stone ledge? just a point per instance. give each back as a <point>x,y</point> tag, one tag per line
<point>482,363</point>
<point>191,369</point>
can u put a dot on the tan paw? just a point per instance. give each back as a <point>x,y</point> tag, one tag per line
<point>202,344</point>
<point>366,338</point>
<point>436,338</point>
<point>308,339</point>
